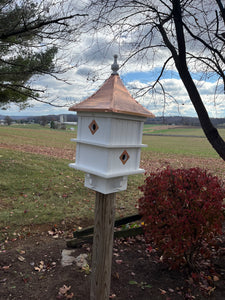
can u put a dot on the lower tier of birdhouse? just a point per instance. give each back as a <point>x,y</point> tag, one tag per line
<point>107,162</point>
<point>105,185</point>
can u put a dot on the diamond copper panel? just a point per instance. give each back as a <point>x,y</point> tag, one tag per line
<point>93,127</point>
<point>124,157</point>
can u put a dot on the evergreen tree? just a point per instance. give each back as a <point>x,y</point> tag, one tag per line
<point>29,34</point>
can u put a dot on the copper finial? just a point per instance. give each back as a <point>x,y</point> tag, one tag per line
<point>115,67</point>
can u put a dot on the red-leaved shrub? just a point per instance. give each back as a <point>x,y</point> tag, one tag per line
<point>182,212</point>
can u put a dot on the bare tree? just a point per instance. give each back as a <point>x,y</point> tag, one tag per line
<point>8,120</point>
<point>189,33</point>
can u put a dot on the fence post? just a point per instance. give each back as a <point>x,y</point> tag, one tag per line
<point>102,246</point>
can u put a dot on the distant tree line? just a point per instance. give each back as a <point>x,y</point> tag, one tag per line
<point>169,120</point>
<point>186,121</point>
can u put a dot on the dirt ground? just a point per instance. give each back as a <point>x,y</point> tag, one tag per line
<point>33,268</point>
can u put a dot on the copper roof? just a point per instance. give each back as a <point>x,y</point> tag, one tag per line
<point>112,97</point>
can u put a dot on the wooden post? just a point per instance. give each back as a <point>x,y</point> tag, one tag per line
<point>102,246</point>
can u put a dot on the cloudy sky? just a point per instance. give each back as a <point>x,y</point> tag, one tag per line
<point>91,60</point>
<point>81,85</point>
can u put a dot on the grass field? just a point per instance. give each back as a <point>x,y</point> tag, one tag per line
<point>38,136</point>
<point>176,130</point>
<point>35,135</point>
<point>37,187</point>
<point>188,146</point>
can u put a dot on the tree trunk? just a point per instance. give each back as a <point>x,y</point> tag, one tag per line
<point>210,131</point>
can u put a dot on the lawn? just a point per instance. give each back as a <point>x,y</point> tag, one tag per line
<point>188,146</point>
<point>177,130</point>
<point>36,135</point>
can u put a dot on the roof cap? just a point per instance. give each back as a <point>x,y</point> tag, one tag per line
<point>113,97</point>
<point>115,67</point>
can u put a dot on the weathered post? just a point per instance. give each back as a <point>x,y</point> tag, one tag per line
<point>109,136</point>
<point>102,246</point>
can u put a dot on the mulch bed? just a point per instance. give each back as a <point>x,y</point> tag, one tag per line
<point>30,268</point>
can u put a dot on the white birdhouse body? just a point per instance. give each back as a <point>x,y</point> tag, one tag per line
<point>109,137</point>
<point>108,144</point>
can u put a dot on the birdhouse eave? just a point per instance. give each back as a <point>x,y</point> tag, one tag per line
<point>111,110</point>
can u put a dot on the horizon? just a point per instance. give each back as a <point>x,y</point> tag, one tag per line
<point>179,104</point>
<point>71,114</point>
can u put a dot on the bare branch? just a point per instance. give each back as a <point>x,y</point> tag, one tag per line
<point>37,25</point>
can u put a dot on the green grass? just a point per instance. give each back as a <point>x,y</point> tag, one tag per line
<point>190,141</point>
<point>186,131</point>
<point>29,135</point>
<point>37,189</point>
<point>188,146</point>
<point>29,126</point>
<point>38,126</point>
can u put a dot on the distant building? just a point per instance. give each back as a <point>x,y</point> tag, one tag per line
<point>63,120</point>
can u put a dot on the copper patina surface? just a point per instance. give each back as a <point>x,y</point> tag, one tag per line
<point>112,97</point>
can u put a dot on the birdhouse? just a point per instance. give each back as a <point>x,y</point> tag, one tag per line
<point>109,136</point>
